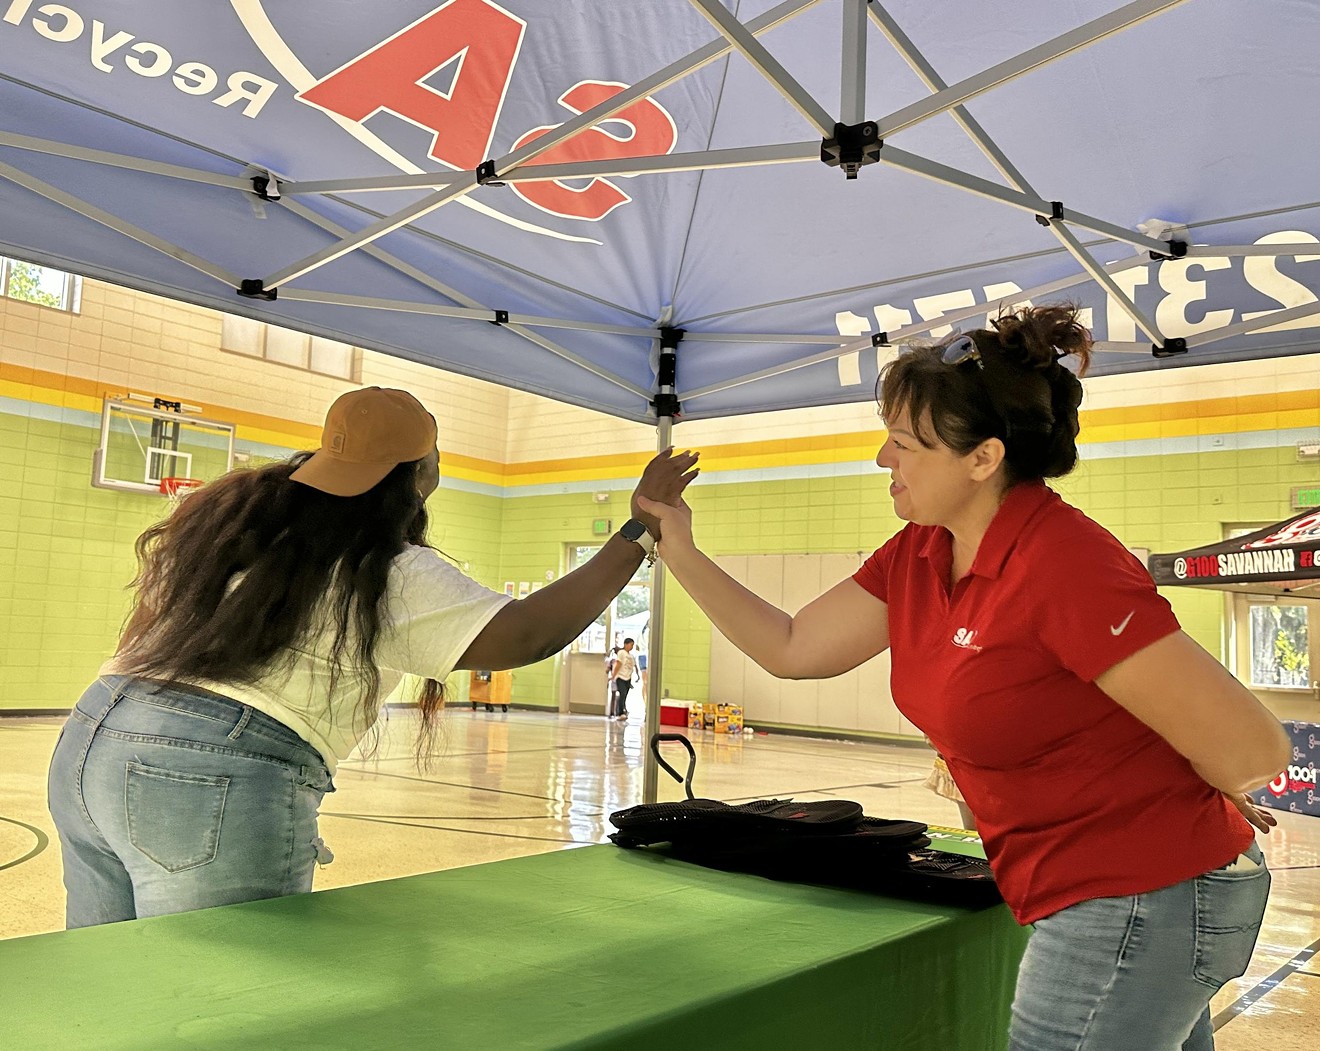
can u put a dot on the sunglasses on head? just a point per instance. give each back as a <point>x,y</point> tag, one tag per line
<point>962,349</point>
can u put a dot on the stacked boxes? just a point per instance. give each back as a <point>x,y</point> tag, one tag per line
<point>728,719</point>
<point>721,718</point>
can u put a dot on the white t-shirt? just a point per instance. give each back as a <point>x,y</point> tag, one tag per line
<point>625,665</point>
<point>432,612</point>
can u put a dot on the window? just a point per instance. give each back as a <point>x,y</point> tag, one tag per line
<point>1276,638</point>
<point>256,339</point>
<point>43,285</point>
<point>1279,643</point>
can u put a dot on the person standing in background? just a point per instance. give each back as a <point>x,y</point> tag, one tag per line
<point>623,671</point>
<point>612,694</point>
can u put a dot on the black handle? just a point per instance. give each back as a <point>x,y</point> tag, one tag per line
<point>692,759</point>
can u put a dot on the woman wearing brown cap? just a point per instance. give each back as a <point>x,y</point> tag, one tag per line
<point>275,608</point>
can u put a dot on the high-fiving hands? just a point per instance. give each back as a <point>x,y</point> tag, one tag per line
<point>660,491</point>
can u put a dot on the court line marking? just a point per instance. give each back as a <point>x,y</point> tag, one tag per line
<point>827,788</point>
<point>456,784</point>
<point>1266,986</point>
<point>464,831</point>
<point>442,817</point>
<point>43,841</point>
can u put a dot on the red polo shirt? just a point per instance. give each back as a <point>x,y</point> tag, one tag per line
<point>1074,797</point>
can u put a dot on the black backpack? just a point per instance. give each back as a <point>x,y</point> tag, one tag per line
<point>827,841</point>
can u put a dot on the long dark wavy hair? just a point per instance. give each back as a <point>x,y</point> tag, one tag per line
<point>252,564</point>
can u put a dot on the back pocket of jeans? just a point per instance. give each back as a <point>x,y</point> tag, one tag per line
<point>174,818</point>
<point>1229,908</point>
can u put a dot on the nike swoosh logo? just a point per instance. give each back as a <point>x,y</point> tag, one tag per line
<point>1122,625</point>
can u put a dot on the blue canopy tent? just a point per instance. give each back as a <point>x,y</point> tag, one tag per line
<point>664,207</point>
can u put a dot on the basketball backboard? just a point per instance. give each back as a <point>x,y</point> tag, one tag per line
<point>145,439</point>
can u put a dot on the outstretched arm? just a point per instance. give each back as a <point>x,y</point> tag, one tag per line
<point>833,634</point>
<point>542,624</point>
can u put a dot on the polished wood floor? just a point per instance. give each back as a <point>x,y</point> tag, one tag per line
<point>509,784</point>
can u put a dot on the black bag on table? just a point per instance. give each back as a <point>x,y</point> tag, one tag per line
<point>819,841</point>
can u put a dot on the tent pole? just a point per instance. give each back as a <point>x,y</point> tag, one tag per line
<point>974,184</point>
<point>655,651</point>
<point>1066,44</point>
<point>113,222</point>
<point>744,40</point>
<point>407,269</point>
<point>1008,170</point>
<point>697,160</point>
<point>119,160</point>
<point>852,81</point>
<point>897,336</point>
<point>1267,320</point>
<point>666,406</point>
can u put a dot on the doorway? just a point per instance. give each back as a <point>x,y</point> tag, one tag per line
<point>584,687</point>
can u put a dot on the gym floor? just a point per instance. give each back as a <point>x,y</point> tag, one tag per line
<point>516,783</point>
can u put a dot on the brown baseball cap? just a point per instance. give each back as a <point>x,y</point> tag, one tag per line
<point>367,434</point>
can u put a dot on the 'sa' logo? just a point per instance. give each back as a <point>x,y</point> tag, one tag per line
<point>965,637</point>
<point>471,47</point>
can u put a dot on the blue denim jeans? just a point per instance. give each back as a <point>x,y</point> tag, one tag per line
<point>168,798</point>
<point>1137,973</point>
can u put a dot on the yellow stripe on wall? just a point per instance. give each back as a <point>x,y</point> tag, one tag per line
<point>75,392</point>
<point>1253,412</point>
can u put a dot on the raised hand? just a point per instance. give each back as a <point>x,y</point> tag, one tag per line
<point>663,482</point>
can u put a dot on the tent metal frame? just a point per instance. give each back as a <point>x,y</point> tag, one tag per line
<point>445,187</point>
<point>518,166</point>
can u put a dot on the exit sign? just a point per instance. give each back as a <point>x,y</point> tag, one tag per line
<point>1304,496</point>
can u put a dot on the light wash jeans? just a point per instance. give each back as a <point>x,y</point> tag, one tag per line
<point>1137,973</point>
<point>169,798</point>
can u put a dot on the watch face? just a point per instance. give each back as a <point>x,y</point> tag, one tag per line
<point>632,529</point>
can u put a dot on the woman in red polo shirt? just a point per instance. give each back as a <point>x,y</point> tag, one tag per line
<point>1104,754</point>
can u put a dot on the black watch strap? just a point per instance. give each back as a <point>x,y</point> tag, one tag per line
<point>636,531</point>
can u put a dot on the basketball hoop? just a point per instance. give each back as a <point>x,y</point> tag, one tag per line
<point>175,489</point>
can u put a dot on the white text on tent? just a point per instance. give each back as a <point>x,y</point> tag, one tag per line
<point>63,25</point>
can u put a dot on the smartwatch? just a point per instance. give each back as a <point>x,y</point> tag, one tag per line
<point>636,531</point>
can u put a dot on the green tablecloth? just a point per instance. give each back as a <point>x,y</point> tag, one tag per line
<point>589,948</point>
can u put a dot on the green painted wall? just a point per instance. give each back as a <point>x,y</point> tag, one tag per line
<point>66,555</point>
<point>1161,503</point>
<point>536,530</point>
<point>66,549</point>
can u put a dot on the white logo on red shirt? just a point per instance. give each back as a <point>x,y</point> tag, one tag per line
<point>964,637</point>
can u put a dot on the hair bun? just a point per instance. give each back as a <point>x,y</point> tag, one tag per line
<point>1037,337</point>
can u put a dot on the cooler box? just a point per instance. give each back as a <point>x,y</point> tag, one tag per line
<point>673,715</point>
